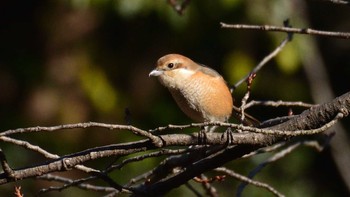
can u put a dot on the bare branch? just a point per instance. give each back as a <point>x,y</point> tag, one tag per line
<point>309,31</point>
<point>29,146</point>
<point>318,143</point>
<point>41,151</point>
<point>68,182</point>
<point>153,154</point>
<point>249,181</point>
<point>6,167</point>
<point>302,121</point>
<point>277,156</point>
<point>266,149</point>
<point>263,62</point>
<point>312,121</point>
<point>278,104</point>
<point>258,130</point>
<point>209,188</point>
<point>339,2</point>
<point>135,130</point>
<point>246,95</point>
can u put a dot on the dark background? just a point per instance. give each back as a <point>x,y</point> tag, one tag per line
<point>76,61</point>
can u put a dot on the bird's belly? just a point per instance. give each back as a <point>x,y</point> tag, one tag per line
<point>189,105</point>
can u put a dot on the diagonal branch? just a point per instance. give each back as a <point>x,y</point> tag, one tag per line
<point>320,116</point>
<point>263,62</point>
<point>309,119</point>
<point>249,181</point>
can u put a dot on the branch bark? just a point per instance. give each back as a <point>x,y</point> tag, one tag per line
<point>240,144</point>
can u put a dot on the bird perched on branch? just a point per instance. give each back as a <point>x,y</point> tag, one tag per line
<point>199,91</point>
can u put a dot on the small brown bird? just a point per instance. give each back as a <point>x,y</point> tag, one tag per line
<point>200,92</point>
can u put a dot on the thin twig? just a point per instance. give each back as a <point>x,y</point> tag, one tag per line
<point>5,166</point>
<point>249,181</point>
<point>29,146</point>
<point>278,104</point>
<point>41,151</point>
<point>156,141</point>
<point>263,62</point>
<point>265,149</point>
<point>68,182</point>
<point>209,188</point>
<point>246,95</point>
<point>339,2</point>
<point>314,143</point>
<point>275,157</point>
<point>309,31</point>
<point>149,155</point>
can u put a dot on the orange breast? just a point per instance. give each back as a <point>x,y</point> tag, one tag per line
<point>204,98</point>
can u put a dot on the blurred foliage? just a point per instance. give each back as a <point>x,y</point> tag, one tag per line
<point>88,60</point>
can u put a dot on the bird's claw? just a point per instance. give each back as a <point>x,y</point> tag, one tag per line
<point>229,136</point>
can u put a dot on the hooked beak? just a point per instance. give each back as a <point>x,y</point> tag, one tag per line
<point>155,73</point>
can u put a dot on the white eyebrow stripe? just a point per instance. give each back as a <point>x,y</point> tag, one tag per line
<point>185,72</point>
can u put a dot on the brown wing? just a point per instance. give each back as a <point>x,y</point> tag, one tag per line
<point>209,71</point>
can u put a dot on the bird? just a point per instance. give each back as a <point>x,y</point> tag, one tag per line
<point>199,91</point>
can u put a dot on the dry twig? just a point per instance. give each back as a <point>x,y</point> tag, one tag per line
<point>309,31</point>
<point>249,181</point>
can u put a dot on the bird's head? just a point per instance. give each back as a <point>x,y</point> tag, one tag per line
<point>172,69</point>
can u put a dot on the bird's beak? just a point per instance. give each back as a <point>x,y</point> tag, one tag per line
<point>155,73</point>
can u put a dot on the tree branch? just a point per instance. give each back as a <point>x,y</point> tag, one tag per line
<point>313,117</point>
<point>309,31</point>
<point>311,121</point>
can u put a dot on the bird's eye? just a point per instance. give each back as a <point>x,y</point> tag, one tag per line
<point>170,65</point>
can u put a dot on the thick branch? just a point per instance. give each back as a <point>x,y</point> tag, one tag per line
<point>312,118</point>
<point>68,162</point>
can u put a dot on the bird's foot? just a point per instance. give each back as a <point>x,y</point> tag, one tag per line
<point>229,136</point>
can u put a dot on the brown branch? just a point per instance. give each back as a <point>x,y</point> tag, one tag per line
<point>309,119</point>
<point>79,182</point>
<point>41,151</point>
<point>309,31</point>
<point>68,162</point>
<point>246,96</point>
<point>133,129</point>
